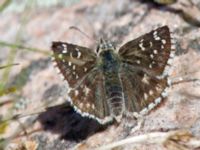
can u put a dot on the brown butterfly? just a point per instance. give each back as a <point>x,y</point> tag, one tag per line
<point>108,83</point>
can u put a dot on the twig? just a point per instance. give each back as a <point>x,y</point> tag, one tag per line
<point>184,80</point>
<point>10,65</point>
<point>179,137</point>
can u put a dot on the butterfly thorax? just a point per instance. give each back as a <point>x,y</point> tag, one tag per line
<point>110,65</point>
<point>108,59</point>
<point>109,62</point>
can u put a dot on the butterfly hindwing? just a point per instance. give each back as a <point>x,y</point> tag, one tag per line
<point>141,88</point>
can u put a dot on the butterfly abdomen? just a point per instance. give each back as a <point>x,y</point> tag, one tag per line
<point>114,97</point>
<point>112,84</point>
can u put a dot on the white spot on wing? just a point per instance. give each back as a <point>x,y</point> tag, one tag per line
<point>64,51</point>
<point>76,92</point>
<point>145,96</point>
<point>151,44</point>
<point>60,56</point>
<point>145,79</point>
<point>155,51</point>
<point>73,67</point>
<point>138,62</point>
<point>86,90</point>
<point>93,106</point>
<point>85,69</point>
<point>155,33</point>
<point>157,38</point>
<point>65,46</point>
<point>157,88</point>
<point>81,105</point>
<point>164,41</point>
<point>142,47</point>
<point>150,92</point>
<point>88,105</point>
<point>79,55</point>
<point>71,55</point>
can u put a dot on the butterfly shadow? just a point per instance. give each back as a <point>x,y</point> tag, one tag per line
<point>70,125</point>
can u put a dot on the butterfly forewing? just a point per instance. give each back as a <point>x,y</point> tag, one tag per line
<point>150,51</point>
<point>73,61</point>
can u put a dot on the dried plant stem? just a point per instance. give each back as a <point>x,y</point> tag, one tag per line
<point>23,47</point>
<point>178,137</point>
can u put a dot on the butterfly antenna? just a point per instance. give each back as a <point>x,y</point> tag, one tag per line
<point>83,33</point>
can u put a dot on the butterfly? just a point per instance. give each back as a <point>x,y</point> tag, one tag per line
<point>107,83</point>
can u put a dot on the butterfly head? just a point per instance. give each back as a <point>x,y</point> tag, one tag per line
<point>104,45</point>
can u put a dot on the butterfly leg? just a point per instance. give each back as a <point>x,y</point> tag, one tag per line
<point>133,121</point>
<point>140,123</point>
